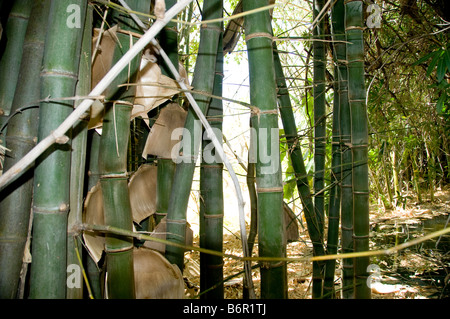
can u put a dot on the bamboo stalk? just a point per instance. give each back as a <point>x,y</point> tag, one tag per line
<point>354,25</point>
<point>16,28</point>
<point>251,180</point>
<point>93,177</point>
<point>319,68</point>
<point>296,157</point>
<point>166,167</point>
<point>78,160</point>
<point>271,235</point>
<point>58,133</point>
<point>15,202</point>
<point>203,80</point>
<point>335,191</point>
<point>346,156</point>
<point>211,193</point>
<point>52,174</point>
<point>166,172</point>
<point>113,162</point>
<point>168,40</point>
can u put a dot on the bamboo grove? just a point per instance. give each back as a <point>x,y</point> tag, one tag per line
<point>55,58</point>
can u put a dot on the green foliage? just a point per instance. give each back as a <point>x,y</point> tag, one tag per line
<point>440,62</point>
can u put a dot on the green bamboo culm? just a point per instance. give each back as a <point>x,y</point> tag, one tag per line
<point>190,145</point>
<point>354,25</point>
<point>113,159</point>
<point>93,177</point>
<point>11,58</point>
<point>15,200</point>
<point>78,162</point>
<point>52,174</point>
<point>337,14</point>
<point>319,66</point>
<point>166,172</point>
<point>168,40</point>
<point>263,95</point>
<point>296,158</point>
<point>338,17</point>
<point>211,193</point>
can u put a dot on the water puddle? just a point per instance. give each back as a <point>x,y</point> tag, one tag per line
<point>420,271</point>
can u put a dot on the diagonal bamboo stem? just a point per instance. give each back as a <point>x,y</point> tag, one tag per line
<point>146,237</point>
<point>22,165</point>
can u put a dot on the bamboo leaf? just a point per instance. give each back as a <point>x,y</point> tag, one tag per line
<point>447,58</point>
<point>441,69</point>
<point>424,58</point>
<point>440,103</point>
<point>433,62</point>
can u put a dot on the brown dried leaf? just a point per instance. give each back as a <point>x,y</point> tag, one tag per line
<point>155,277</point>
<point>159,141</point>
<point>142,191</point>
<point>93,214</point>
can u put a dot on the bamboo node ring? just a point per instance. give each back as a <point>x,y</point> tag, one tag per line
<point>259,35</point>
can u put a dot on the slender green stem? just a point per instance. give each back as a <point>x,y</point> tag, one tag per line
<point>335,191</point>
<point>211,193</point>
<point>319,67</point>
<point>296,157</point>
<point>78,160</point>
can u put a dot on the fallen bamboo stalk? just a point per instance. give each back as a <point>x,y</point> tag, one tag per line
<point>370,253</point>
<point>58,134</point>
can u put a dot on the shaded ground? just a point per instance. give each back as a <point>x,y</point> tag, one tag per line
<point>419,272</point>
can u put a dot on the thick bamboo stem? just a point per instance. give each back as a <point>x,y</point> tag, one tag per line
<point>271,235</point>
<point>16,28</point>
<point>113,162</point>
<point>15,202</point>
<point>211,193</point>
<point>52,174</point>
<point>354,25</point>
<point>346,156</point>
